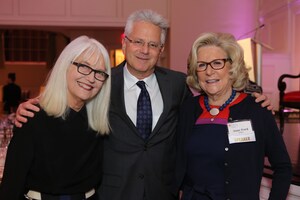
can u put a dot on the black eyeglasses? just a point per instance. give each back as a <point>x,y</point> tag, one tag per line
<point>141,43</point>
<point>86,70</point>
<point>216,64</point>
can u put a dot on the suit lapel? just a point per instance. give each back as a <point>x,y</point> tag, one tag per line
<point>117,94</point>
<point>117,91</point>
<point>166,91</point>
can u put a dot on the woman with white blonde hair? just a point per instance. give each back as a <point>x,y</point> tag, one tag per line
<point>58,153</point>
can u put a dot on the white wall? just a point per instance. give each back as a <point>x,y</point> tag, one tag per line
<point>282,19</point>
<point>189,18</point>
<point>96,13</point>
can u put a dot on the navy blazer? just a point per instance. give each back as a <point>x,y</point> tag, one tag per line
<point>132,167</point>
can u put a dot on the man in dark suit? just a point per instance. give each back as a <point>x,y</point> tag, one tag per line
<point>137,168</point>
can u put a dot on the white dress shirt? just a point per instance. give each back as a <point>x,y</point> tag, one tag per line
<point>132,92</point>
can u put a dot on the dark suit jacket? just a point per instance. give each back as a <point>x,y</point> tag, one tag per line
<point>133,167</point>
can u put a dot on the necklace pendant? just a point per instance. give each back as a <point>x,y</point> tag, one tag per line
<point>214,111</point>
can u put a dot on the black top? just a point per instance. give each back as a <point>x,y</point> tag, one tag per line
<point>53,156</point>
<point>205,174</point>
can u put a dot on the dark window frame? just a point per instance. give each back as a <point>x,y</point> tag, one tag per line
<point>25,46</point>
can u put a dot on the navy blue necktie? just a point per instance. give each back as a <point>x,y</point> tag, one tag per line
<point>144,112</point>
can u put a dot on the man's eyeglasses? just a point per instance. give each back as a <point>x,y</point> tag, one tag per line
<point>216,64</point>
<point>86,70</point>
<point>141,43</point>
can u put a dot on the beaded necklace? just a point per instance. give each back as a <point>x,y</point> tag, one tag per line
<point>216,111</point>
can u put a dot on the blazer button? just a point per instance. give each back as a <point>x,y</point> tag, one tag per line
<point>145,147</point>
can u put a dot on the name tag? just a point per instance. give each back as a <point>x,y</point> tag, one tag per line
<point>240,131</point>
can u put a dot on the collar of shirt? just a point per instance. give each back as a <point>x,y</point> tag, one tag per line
<point>130,80</point>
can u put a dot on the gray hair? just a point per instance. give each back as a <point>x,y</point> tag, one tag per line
<point>54,98</point>
<point>151,17</point>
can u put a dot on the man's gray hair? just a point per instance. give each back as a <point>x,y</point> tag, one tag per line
<point>151,17</point>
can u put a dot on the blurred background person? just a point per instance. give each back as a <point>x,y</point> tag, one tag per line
<point>11,95</point>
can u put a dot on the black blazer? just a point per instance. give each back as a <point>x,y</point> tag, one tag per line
<point>134,168</point>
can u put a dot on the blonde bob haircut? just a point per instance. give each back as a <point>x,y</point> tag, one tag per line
<point>54,98</point>
<point>238,70</point>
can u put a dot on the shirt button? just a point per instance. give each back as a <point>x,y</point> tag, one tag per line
<point>226,148</point>
<point>141,176</point>
<point>226,182</point>
<point>226,164</point>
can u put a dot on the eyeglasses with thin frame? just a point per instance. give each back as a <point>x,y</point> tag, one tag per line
<point>141,43</point>
<point>86,70</point>
<point>216,64</point>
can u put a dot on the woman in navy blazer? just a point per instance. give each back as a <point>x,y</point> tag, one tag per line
<point>223,135</point>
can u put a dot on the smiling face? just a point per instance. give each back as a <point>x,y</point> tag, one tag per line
<point>215,83</point>
<point>82,88</point>
<point>142,59</point>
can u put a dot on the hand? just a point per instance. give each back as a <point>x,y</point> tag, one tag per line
<point>24,111</point>
<point>266,102</point>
